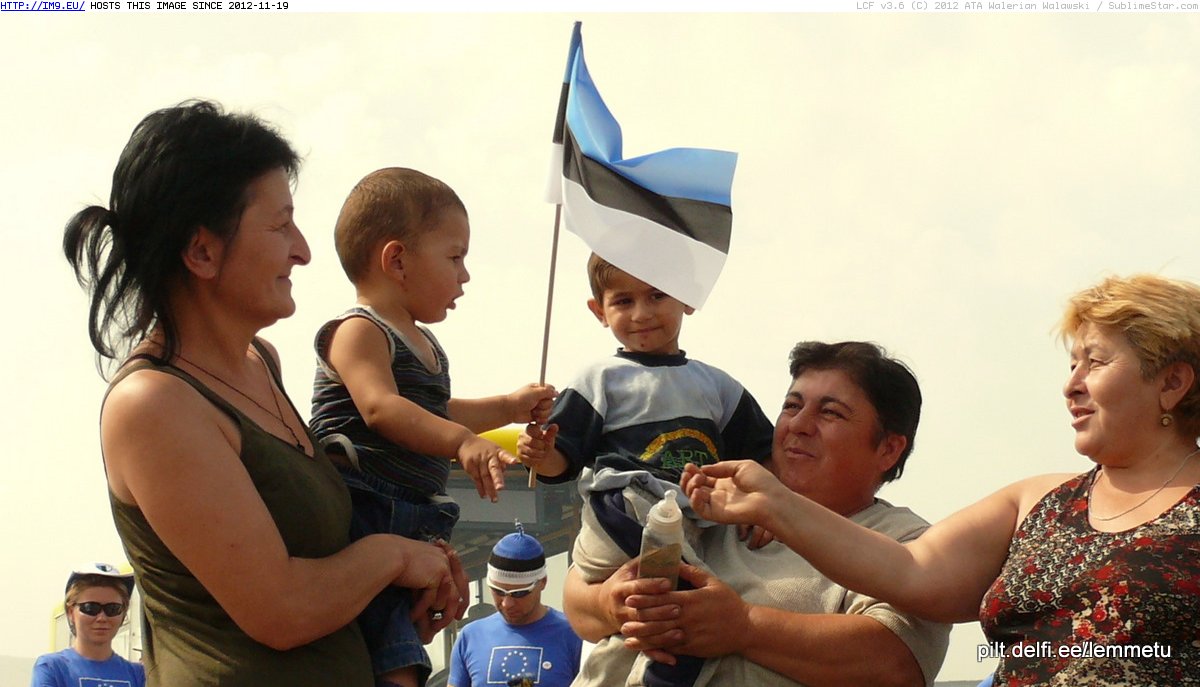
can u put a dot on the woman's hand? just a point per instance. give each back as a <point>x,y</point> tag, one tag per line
<point>754,536</point>
<point>597,609</point>
<point>435,574</point>
<point>737,492</point>
<point>710,620</point>
<point>623,585</point>
<point>429,624</point>
<point>459,576</point>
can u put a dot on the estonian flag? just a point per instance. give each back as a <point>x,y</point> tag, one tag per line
<point>665,217</point>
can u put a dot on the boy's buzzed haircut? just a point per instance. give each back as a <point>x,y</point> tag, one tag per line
<point>600,274</point>
<point>390,204</point>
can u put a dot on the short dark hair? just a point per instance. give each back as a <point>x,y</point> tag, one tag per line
<point>888,383</point>
<point>184,167</point>
<point>600,275</point>
<point>394,203</point>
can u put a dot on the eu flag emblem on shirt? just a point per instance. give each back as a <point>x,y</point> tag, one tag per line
<point>509,662</point>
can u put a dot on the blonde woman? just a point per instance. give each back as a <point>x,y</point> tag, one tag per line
<point>1090,579</point>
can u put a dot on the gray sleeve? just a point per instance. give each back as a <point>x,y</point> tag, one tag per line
<point>928,641</point>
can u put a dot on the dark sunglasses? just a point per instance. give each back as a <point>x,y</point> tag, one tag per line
<point>514,593</point>
<point>111,610</point>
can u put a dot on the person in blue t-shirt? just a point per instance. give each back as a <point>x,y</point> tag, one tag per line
<point>526,643</point>
<point>97,599</point>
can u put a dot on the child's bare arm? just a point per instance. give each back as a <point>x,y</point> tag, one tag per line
<point>535,450</point>
<point>530,403</point>
<point>359,353</point>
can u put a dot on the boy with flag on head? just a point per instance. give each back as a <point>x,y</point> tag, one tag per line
<point>629,423</point>
<point>659,226</point>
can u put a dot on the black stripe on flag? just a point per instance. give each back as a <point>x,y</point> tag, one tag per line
<point>560,120</point>
<point>708,223</point>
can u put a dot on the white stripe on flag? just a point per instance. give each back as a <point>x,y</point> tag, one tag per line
<point>555,180</point>
<point>680,266</point>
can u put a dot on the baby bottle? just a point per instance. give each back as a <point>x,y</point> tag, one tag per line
<point>662,540</point>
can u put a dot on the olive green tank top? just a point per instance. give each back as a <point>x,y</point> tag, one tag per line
<point>188,639</point>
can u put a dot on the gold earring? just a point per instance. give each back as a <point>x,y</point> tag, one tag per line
<point>1166,420</point>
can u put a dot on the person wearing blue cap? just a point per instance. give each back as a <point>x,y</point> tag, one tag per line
<point>526,643</point>
<point>97,599</point>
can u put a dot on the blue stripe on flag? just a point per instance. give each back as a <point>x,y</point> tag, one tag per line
<point>695,173</point>
<point>576,40</point>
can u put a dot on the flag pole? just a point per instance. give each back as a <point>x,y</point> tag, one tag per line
<point>554,195</point>
<point>549,307</point>
<point>550,294</point>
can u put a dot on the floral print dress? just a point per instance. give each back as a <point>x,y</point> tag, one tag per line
<point>1075,606</point>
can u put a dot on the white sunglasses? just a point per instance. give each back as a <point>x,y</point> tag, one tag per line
<point>520,593</point>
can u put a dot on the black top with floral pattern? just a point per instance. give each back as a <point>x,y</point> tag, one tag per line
<point>1075,606</point>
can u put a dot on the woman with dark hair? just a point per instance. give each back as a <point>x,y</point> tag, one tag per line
<point>235,522</point>
<point>764,616</point>
<point>96,604</point>
<point>1087,579</point>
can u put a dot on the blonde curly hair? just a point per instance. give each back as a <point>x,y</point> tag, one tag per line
<point>1160,318</point>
